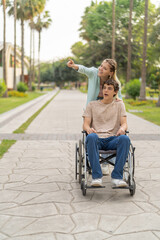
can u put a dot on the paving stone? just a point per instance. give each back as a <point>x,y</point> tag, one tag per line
<point>60,196</point>
<point>60,223</point>
<point>116,207</point>
<point>3,220</point>
<point>17,178</point>
<point>15,224</point>
<point>60,236</point>
<point>140,222</point>
<point>36,210</point>
<point>42,172</point>
<point>45,236</point>
<point>98,235</point>
<point>147,207</point>
<point>110,223</point>
<point>134,236</point>
<point>8,196</point>
<point>4,206</point>
<point>3,179</point>
<point>64,208</point>
<point>39,187</point>
<point>24,197</point>
<point>157,233</point>
<point>85,222</point>
<point>2,236</point>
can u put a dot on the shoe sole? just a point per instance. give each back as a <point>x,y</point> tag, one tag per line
<point>120,185</point>
<point>96,185</point>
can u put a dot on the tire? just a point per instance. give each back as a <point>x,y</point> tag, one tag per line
<point>76,161</point>
<point>80,161</point>
<point>84,189</point>
<point>132,188</point>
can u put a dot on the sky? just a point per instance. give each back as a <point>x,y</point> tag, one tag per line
<point>60,36</point>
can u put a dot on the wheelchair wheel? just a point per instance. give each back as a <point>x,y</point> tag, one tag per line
<point>132,186</point>
<point>76,160</point>
<point>84,188</point>
<point>80,161</point>
<point>131,169</point>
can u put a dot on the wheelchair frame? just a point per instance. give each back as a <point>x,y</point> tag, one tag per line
<point>82,166</point>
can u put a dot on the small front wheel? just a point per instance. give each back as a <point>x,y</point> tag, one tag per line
<point>84,188</point>
<point>132,188</point>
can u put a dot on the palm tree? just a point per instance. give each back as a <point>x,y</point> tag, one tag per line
<point>15,18</point>
<point>129,42</point>
<point>42,22</point>
<point>26,11</point>
<point>4,44</point>
<point>113,29</point>
<point>143,74</point>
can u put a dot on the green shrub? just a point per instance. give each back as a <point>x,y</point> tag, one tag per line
<point>17,94</point>
<point>33,87</point>
<point>22,87</point>
<point>133,88</point>
<point>3,87</point>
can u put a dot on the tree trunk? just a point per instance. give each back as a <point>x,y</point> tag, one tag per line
<point>158,103</point>
<point>4,46</point>
<point>15,18</point>
<point>22,47</point>
<point>113,29</point>
<point>33,69</point>
<point>30,72</point>
<point>143,75</point>
<point>129,42</point>
<point>39,45</point>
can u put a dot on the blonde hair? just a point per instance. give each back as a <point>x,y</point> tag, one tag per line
<point>113,68</point>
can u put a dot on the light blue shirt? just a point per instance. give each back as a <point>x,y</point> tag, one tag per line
<point>93,82</point>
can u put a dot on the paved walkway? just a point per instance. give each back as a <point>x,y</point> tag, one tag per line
<point>40,199</point>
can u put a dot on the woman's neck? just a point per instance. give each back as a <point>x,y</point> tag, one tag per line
<point>103,79</point>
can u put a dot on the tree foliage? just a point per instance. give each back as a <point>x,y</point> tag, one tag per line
<point>96,31</point>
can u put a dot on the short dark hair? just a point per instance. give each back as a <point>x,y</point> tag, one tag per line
<point>112,82</point>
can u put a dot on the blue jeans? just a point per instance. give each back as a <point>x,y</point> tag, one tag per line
<point>119,143</point>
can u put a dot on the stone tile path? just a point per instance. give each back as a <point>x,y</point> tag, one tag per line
<point>41,200</point>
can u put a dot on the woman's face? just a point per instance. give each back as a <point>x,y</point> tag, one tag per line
<point>104,70</point>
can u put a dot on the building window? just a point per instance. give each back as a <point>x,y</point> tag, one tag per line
<point>0,58</point>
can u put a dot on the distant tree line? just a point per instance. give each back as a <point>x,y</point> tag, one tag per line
<point>137,22</point>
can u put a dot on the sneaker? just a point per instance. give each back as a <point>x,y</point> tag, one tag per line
<point>96,182</point>
<point>118,183</point>
<point>105,169</point>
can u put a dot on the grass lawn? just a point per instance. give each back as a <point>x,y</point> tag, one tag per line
<point>9,103</point>
<point>5,145</point>
<point>149,111</point>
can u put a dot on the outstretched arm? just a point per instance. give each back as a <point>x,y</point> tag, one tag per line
<point>71,64</point>
<point>123,126</point>
<point>86,125</point>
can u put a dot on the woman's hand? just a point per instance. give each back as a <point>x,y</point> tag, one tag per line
<point>118,99</point>
<point>70,63</point>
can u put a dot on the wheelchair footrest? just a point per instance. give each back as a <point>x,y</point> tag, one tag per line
<point>120,187</point>
<point>95,186</point>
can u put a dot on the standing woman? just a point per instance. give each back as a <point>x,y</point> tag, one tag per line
<point>96,77</point>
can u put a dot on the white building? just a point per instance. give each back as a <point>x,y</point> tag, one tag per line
<point>10,65</point>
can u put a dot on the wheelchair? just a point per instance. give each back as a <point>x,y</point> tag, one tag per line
<point>83,169</point>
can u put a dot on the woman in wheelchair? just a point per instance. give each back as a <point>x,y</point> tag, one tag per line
<point>105,122</point>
